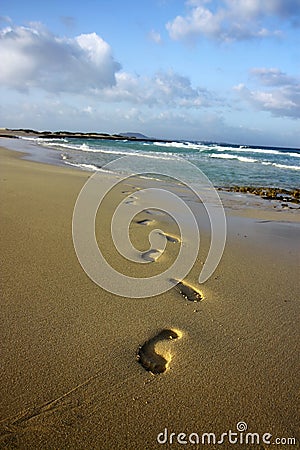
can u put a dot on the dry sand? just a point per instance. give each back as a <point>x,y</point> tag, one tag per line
<point>70,378</point>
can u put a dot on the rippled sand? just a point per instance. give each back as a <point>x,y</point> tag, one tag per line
<point>70,370</point>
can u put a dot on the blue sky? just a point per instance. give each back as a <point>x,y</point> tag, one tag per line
<point>224,70</point>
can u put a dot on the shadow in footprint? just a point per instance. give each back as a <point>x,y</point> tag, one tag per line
<point>171,237</point>
<point>187,291</point>
<point>147,356</point>
<point>152,255</point>
<point>144,222</point>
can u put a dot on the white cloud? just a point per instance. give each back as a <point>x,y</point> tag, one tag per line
<point>35,58</point>
<point>281,97</point>
<point>57,113</point>
<point>155,37</point>
<point>88,110</point>
<point>164,88</point>
<point>198,21</point>
<point>228,20</point>
<point>273,77</point>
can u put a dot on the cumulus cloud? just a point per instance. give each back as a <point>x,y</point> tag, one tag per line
<point>284,9</point>
<point>32,57</point>
<point>229,20</point>
<point>273,77</point>
<point>164,88</point>
<point>281,96</point>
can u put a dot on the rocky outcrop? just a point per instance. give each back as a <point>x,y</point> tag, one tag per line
<point>268,193</point>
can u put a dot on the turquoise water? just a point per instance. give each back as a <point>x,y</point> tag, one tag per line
<point>224,164</point>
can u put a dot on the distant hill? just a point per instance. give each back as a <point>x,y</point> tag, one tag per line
<point>135,135</point>
<point>19,132</point>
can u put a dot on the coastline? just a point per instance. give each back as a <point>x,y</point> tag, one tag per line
<point>241,201</point>
<point>70,375</point>
<point>23,132</point>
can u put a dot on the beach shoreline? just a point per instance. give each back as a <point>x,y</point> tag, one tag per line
<point>237,198</point>
<point>70,369</point>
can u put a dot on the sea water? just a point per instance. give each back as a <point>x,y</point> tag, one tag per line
<point>224,164</point>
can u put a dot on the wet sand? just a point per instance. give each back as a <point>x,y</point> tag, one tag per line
<point>70,370</point>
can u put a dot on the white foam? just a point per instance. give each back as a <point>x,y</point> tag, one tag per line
<point>223,156</point>
<point>245,159</point>
<point>88,167</point>
<point>221,148</point>
<point>239,158</point>
<point>260,150</point>
<point>41,140</point>
<point>284,166</point>
<point>84,147</point>
<point>184,145</point>
<point>281,166</point>
<point>257,150</point>
<point>59,144</point>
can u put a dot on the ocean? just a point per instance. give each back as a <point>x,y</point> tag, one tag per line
<point>224,164</point>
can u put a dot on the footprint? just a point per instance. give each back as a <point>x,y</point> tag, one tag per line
<point>147,356</point>
<point>171,237</point>
<point>187,291</point>
<point>154,212</point>
<point>152,255</point>
<point>145,222</point>
<point>131,200</point>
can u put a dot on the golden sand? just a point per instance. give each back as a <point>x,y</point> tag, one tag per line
<point>70,377</point>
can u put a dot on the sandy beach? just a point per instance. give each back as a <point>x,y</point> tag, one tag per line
<point>70,374</point>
